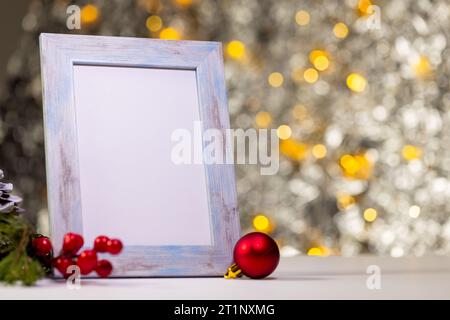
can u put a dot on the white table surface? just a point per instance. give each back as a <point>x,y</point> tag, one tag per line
<point>296,278</point>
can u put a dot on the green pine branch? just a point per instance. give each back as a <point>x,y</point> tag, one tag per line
<point>15,263</point>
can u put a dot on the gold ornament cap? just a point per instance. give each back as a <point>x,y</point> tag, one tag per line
<point>233,272</point>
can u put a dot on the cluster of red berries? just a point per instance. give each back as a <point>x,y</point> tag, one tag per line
<point>87,260</point>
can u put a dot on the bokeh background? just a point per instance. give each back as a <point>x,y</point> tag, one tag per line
<point>358,91</point>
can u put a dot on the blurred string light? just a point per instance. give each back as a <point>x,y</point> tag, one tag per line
<point>184,3</point>
<point>284,132</point>
<point>236,50</point>
<point>262,223</point>
<point>263,119</point>
<point>345,201</point>
<point>302,17</point>
<point>410,152</point>
<point>154,23</point>
<point>319,59</point>
<point>319,151</point>
<point>422,68</point>
<point>364,7</point>
<point>356,166</point>
<point>293,149</point>
<point>356,82</point>
<point>311,75</point>
<point>170,33</point>
<point>89,14</point>
<point>275,79</point>
<point>340,30</point>
<point>321,63</point>
<point>370,214</point>
<point>319,251</point>
<point>414,211</point>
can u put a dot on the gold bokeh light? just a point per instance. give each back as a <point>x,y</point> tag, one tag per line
<point>311,75</point>
<point>275,79</point>
<point>319,59</point>
<point>236,49</point>
<point>154,23</point>
<point>184,3</point>
<point>89,14</point>
<point>345,201</point>
<point>370,214</point>
<point>410,152</point>
<point>293,149</point>
<point>356,82</point>
<point>422,68</point>
<point>263,119</point>
<point>302,18</point>
<point>284,132</point>
<point>319,151</point>
<point>261,223</point>
<point>169,33</point>
<point>364,7</point>
<point>340,30</point>
<point>356,166</point>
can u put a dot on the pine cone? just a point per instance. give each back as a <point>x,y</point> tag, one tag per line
<point>8,202</point>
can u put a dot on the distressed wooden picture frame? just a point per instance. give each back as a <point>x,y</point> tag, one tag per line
<point>60,57</point>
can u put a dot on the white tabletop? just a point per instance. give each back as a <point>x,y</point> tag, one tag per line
<point>295,278</point>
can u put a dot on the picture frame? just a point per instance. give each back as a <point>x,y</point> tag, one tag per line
<point>110,104</point>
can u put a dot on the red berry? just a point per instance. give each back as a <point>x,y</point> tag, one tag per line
<point>87,261</point>
<point>61,264</point>
<point>42,246</point>
<point>104,268</point>
<point>114,246</point>
<point>72,243</point>
<point>101,244</point>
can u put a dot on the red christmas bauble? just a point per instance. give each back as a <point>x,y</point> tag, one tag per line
<point>257,255</point>
<point>104,268</point>
<point>87,261</point>
<point>114,246</point>
<point>72,242</point>
<point>42,246</point>
<point>61,264</point>
<point>101,244</point>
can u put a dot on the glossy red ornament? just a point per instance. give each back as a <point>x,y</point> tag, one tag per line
<point>42,246</point>
<point>114,246</point>
<point>72,243</point>
<point>257,255</point>
<point>87,261</point>
<point>101,244</point>
<point>62,263</point>
<point>104,268</point>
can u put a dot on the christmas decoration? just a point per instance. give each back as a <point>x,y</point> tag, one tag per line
<point>8,202</point>
<point>256,255</point>
<point>17,263</point>
<point>101,244</point>
<point>114,246</point>
<point>358,89</point>
<point>42,246</point>
<point>26,256</point>
<point>103,268</point>
<point>62,264</point>
<point>87,260</point>
<point>72,243</point>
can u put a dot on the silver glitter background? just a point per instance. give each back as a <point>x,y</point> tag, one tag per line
<point>386,146</point>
